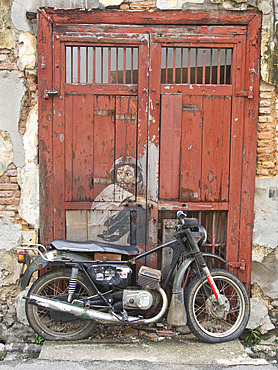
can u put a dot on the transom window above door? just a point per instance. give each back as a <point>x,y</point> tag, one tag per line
<point>101,65</point>
<point>186,65</point>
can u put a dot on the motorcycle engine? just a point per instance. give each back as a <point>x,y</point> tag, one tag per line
<point>143,299</point>
<point>134,299</point>
<point>110,275</point>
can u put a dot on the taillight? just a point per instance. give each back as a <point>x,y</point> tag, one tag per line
<point>21,257</point>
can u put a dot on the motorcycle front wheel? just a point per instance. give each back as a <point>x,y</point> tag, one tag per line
<point>209,321</point>
<point>50,325</point>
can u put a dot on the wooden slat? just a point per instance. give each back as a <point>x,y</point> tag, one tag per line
<point>197,89</point>
<point>82,147</point>
<point>68,147</point>
<point>170,146</point>
<point>45,129</point>
<point>249,158</point>
<point>104,139</point>
<point>191,149</point>
<point>58,147</point>
<point>216,148</point>
<point>170,17</point>
<point>126,132</point>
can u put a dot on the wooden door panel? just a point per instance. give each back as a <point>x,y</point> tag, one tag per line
<point>79,147</point>
<point>170,146</point>
<point>216,148</point>
<point>191,148</point>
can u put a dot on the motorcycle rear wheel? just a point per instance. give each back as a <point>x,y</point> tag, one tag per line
<point>51,285</point>
<point>207,320</point>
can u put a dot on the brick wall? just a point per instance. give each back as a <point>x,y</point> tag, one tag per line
<point>267,132</point>
<point>9,199</point>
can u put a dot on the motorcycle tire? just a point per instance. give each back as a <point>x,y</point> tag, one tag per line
<point>46,323</point>
<point>207,320</point>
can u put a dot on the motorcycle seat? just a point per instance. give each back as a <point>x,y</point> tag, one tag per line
<point>93,247</point>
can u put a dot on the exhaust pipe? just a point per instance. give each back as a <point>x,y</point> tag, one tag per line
<point>89,314</point>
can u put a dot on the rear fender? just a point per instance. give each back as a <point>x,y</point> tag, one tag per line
<point>49,258</point>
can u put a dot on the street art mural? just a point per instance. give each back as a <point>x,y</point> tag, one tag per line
<point>114,215</point>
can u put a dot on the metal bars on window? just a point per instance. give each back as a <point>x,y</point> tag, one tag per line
<point>101,65</point>
<point>183,65</point>
<point>215,223</point>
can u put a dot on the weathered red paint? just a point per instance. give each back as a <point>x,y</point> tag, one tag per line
<point>209,162</point>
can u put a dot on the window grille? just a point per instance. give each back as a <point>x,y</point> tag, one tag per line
<point>101,65</point>
<point>196,65</point>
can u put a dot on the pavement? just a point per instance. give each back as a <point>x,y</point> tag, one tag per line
<point>174,351</point>
<point>130,348</point>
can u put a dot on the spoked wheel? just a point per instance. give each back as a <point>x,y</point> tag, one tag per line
<point>206,318</point>
<point>54,325</point>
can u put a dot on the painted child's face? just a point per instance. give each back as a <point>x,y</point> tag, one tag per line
<point>126,175</point>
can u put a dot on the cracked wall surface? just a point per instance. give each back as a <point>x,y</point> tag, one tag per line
<point>19,197</point>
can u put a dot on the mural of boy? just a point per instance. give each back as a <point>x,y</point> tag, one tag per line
<point>114,217</point>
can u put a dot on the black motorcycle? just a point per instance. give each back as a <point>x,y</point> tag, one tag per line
<point>93,282</point>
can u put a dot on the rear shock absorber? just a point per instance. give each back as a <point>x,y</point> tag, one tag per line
<point>72,283</point>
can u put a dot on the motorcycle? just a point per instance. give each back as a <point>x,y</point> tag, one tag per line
<point>93,282</point>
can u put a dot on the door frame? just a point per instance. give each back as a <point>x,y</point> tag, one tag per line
<point>47,21</point>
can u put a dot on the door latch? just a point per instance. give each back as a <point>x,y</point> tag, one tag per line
<point>241,265</point>
<point>250,93</point>
<point>48,93</point>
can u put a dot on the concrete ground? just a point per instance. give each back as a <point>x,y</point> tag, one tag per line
<point>136,349</point>
<point>174,351</point>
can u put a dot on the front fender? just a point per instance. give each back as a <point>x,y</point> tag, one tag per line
<point>177,314</point>
<point>49,258</point>
<point>177,285</point>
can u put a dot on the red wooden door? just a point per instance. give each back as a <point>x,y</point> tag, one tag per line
<point>99,163</point>
<point>138,121</point>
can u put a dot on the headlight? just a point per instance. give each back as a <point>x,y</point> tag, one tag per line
<point>200,235</point>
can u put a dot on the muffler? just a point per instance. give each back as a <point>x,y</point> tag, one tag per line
<point>90,314</point>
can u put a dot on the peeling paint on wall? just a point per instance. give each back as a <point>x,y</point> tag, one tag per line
<point>27,51</point>
<point>6,151</point>
<point>265,212</point>
<point>29,202</point>
<point>20,7</point>
<point>10,235</point>
<point>11,92</point>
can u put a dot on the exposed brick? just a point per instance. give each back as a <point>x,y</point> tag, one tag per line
<point>265,103</point>
<point>8,201</point>
<point>13,179</point>
<point>11,172</point>
<point>6,194</point>
<point>8,186</point>
<point>269,164</point>
<point>262,172</point>
<point>265,135</point>
<point>265,110</point>
<point>266,95</point>
<point>267,149</point>
<point>265,87</point>
<point>262,119</point>
<point>11,166</point>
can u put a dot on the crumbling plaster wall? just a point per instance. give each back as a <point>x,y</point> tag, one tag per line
<point>19,137</point>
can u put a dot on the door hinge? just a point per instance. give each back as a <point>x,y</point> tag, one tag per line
<point>241,265</point>
<point>48,93</point>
